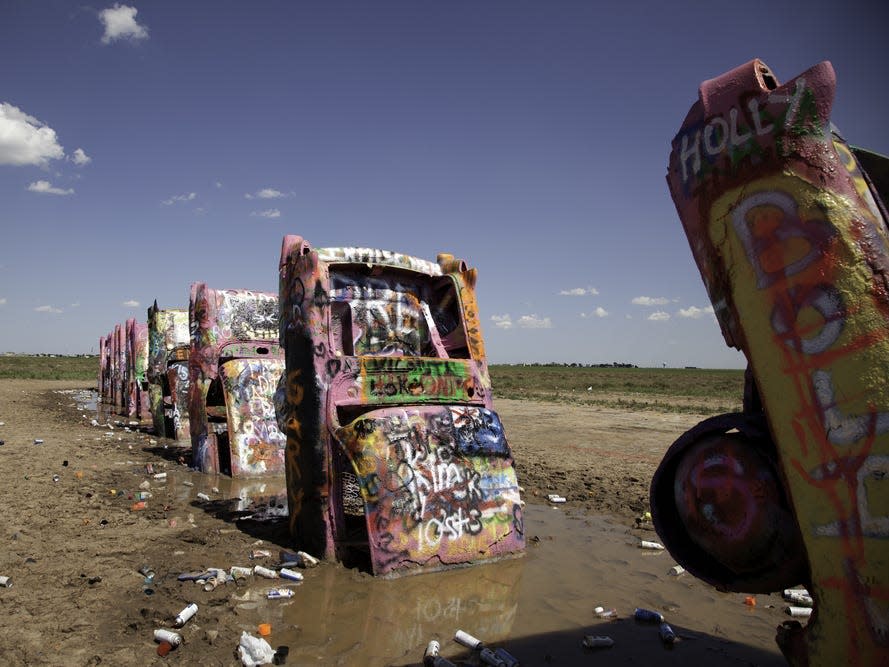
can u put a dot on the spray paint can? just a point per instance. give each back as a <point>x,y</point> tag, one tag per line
<point>293,575</point>
<point>261,571</point>
<point>239,572</point>
<point>488,657</point>
<point>431,658</point>
<point>799,612</point>
<point>279,593</point>
<point>648,616</point>
<point>5,582</point>
<point>654,546</point>
<point>667,634</point>
<point>306,560</point>
<point>467,640</point>
<point>211,584</point>
<point>183,616</point>
<point>799,598</point>
<point>506,657</point>
<point>593,641</point>
<point>172,638</point>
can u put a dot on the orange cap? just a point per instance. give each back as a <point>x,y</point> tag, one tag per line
<point>163,648</point>
<point>265,629</point>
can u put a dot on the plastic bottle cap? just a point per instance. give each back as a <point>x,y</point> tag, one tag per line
<point>265,629</point>
<point>163,648</point>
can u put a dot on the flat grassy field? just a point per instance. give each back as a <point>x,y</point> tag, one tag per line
<point>683,390</point>
<point>27,367</point>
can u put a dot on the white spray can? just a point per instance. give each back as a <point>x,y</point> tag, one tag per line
<point>172,638</point>
<point>183,616</point>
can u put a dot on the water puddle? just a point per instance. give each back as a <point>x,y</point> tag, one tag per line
<point>539,607</point>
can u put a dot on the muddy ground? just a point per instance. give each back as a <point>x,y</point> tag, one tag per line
<point>74,540</point>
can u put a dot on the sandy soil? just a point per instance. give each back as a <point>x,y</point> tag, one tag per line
<point>74,544</point>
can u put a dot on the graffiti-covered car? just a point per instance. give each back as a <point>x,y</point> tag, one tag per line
<point>396,460</point>
<point>235,363</point>
<point>118,368</point>
<point>168,350</point>
<point>789,234</point>
<point>104,380</point>
<point>136,367</point>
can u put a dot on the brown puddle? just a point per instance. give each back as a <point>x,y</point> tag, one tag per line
<point>538,607</point>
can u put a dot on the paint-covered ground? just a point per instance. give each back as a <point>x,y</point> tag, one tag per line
<point>74,547</point>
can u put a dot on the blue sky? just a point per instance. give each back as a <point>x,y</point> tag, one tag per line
<point>147,145</point>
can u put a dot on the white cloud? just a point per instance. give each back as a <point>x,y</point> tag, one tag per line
<point>48,309</point>
<point>178,198</point>
<point>599,312</point>
<point>218,185</point>
<point>75,305</point>
<point>80,158</point>
<point>659,316</point>
<point>132,303</point>
<point>579,291</point>
<point>534,322</point>
<point>694,312</point>
<point>650,301</point>
<point>47,188</point>
<point>3,301</point>
<point>24,140</point>
<point>502,321</point>
<point>266,193</point>
<point>268,213</point>
<point>120,23</point>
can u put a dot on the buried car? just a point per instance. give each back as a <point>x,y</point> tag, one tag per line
<point>396,460</point>
<point>234,366</point>
<point>167,373</point>
<point>786,223</point>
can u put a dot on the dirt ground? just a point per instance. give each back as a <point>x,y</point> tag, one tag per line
<point>75,538</point>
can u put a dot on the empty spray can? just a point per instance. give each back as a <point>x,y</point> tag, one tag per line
<point>601,612</point>
<point>467,640</point>
<point>488,657</point>
<point>183,616</point>
<point>279,593</point>
<point>667,634</point>
<point>306,560</point>
<point>655,546</point>
<point>293,575</point>
<point>431,658</point>
<point>172,638</point>
<point>261,571</point>
<point>648,616</point>
<point>239,572</point>
<point>800,598</point>
<point>506,657</point>
<point>593,641</point>
<point>799,612</point>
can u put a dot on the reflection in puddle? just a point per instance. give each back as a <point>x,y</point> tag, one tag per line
<point>538,607</point>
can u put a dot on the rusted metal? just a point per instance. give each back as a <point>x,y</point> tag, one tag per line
<point>396,459</point>
<point>234,365</point>
<point>167,373</point>
<point>789,234</point>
